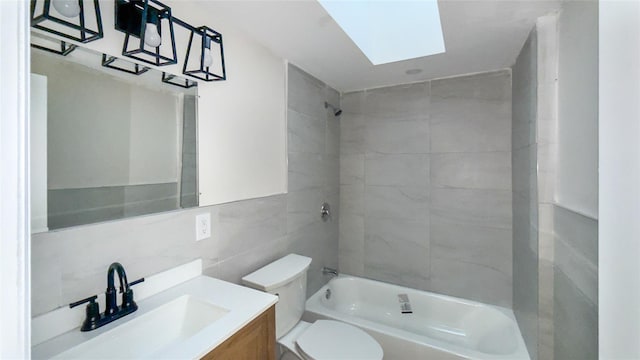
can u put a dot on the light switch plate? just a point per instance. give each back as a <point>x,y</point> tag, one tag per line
<point>203,226</point>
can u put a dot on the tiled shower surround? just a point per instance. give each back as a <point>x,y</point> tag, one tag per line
<point>425,186</point>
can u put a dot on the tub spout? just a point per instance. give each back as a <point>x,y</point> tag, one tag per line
<point>329,271</point>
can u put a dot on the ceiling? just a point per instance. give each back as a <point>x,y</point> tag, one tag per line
<point>480,35</point>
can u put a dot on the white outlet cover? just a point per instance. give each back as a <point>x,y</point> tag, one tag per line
<point>203,226</point>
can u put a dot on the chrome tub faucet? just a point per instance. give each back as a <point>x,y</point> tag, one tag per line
<point>329,271</point>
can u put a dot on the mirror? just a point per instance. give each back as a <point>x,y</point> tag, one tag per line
<point>108,144</point>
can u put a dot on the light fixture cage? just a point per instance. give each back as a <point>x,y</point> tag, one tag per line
<point>85,27</point>
<point>115,63</point>
<point>194,63</point>
<point>64,49</point>
<point>132,17</point>
<point>178,81</point>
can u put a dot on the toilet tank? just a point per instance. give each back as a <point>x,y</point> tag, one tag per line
<point>286,278</point>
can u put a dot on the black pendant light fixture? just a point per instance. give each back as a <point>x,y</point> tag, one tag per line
<point>148,26</point>
<point>77,20</point>
<point>203,51</point>
<point>149,37</point>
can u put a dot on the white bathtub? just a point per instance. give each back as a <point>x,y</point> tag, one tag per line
<point>440,327</point>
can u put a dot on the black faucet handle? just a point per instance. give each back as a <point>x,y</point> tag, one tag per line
<point>136,282</point>
<point>91,299</point>
<point>127,296</point>
<point>92,311</point>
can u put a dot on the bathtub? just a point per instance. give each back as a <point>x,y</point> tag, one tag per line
<point>439,326</point>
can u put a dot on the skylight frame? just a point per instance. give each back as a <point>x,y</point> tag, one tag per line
<point>388,31</point>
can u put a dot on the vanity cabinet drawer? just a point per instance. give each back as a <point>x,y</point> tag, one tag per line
<point>255,341</point>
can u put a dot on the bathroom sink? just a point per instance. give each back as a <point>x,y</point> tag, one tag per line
<point>149,334</point>
<point>183,321</point>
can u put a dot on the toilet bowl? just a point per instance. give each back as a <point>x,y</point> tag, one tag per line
<point>328,339</point>
<point>300,340</point>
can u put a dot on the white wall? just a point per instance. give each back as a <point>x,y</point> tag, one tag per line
<point>619,227</point>
<point>242,121</point>
<point>577,186</point>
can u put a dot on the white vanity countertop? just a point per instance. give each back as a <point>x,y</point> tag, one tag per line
<point>244,305</point>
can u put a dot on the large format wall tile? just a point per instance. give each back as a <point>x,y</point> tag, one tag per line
<point>525,235</point>
<point>488,246</point>
<point>352,199</point>
<point>306,171</point>
<point>351,247</point>
<point>305,134</point>
<point>472,170</point>
<point>576,250</point>
<point>305,94</point>
<point>491,208</point>
<point>397,170</point>
<point>471,281</point>
<point>471,113</point>
<point>397,251</point>
<point>351,169</point>
<point>314,173</point>
<point>575,321</point>
<point>397,202</point>
<point>144,245</point>
<point>247,225</point>
<point>395,102</point>
<point>397,137</point>
<point>426,170</point>
<point>352,133</point>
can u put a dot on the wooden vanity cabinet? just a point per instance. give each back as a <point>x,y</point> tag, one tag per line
<point>255,341</point>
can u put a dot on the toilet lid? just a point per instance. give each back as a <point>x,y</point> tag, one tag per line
<point>327,339</point>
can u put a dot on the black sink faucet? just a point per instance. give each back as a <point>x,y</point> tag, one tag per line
<point>110,294</point>
<point>112,312</point>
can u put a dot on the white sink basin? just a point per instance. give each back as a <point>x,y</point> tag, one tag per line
<point>184,321</point>
<point>152,332</point>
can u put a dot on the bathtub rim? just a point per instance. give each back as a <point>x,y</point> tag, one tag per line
<point>314,309</point>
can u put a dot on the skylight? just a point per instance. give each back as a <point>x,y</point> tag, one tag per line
<point>387,30</point>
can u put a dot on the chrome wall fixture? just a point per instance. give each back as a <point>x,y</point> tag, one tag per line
<point>144,23</point>
<point>77,20</point>
<point>209,44</point>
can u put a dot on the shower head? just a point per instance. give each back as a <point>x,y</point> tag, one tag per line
<point>336,111</point>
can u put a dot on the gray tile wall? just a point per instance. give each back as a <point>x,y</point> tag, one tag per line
<point>575,245</point>
<point>425,186</point>
<point>313,148</point>
<point>525,199</point>
<point>575,301</point>
<point>71,264</point>
<point>555,248</point>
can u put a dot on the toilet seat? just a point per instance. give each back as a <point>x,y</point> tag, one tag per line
<point>328,339</point>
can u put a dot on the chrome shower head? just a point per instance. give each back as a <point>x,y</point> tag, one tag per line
<point>336,111</point>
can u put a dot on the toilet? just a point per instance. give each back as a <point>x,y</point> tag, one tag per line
<point>300,340</point>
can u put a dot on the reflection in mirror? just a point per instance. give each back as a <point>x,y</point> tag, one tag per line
<point>107,144</point>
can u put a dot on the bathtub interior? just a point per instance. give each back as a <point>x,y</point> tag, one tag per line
<point>465,324</point>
